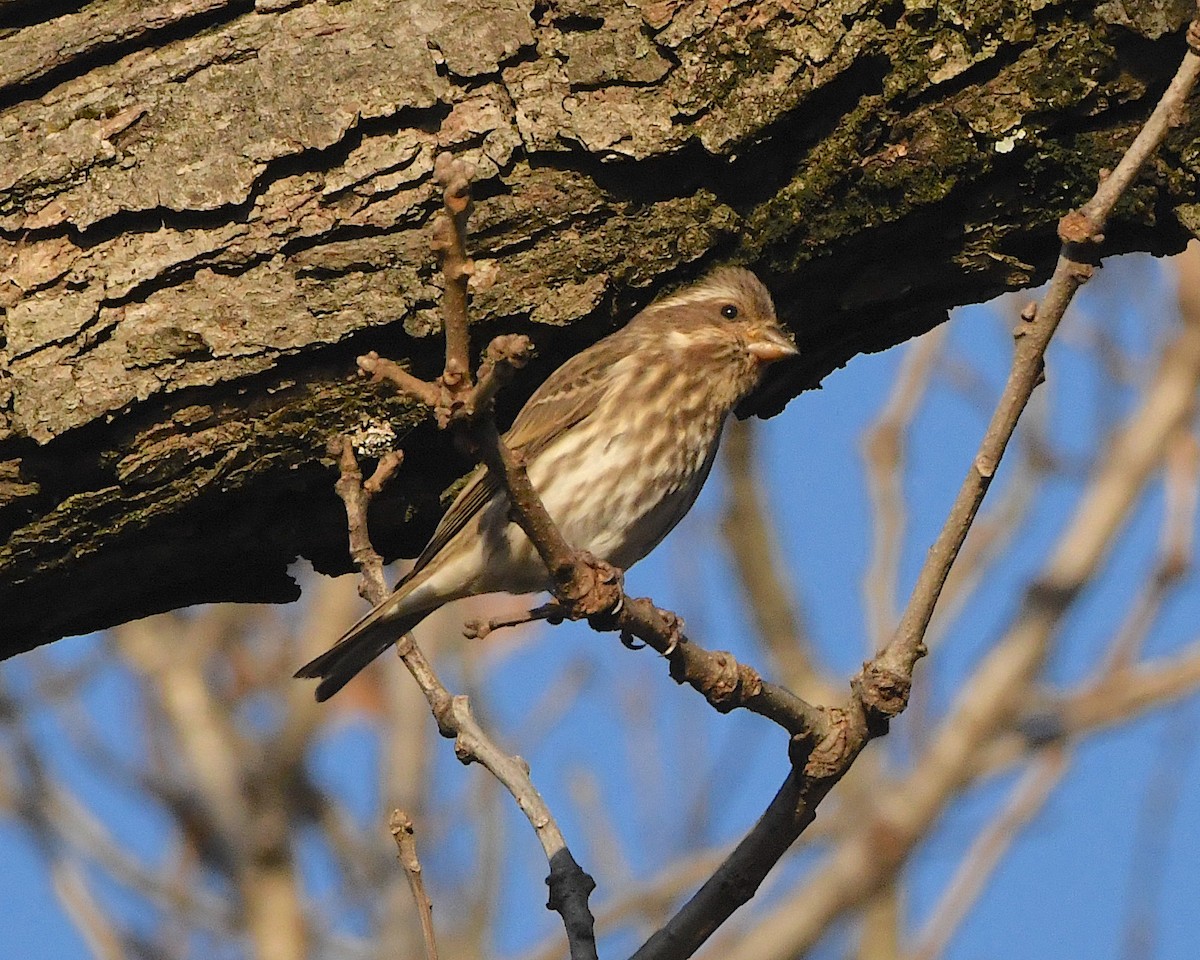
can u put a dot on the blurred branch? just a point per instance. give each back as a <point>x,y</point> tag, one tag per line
<point>1127,692</point>
<point>90,919</point>
<point>199,730</point>
<point>759,563</point>
<point>1151,838</point>
<point>1025,801</point>
<point>250,838</point>
<point>883,450</point>
<point>882,924</point>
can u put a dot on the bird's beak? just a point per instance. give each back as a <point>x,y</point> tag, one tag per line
<point>771,345</point>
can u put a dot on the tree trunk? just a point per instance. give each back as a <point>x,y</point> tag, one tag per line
<point>209,207</point>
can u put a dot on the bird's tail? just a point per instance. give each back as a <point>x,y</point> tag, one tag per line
<point>361,644</point>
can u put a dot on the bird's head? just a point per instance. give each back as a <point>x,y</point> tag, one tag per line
<point>725,319</point>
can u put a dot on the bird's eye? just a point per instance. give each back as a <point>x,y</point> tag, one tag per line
<point>729,311</point>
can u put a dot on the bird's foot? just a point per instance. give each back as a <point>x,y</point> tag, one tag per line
<point>593,591</point>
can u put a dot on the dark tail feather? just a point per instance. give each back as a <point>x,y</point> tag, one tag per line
<point>363,642</point>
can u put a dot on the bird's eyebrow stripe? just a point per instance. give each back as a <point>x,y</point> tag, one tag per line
<point>701,295</point>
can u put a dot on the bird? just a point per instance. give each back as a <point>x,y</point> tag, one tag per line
<point>618,442</point>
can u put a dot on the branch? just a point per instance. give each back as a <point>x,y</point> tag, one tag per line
<point>403,833</point>
<point>449,242</point>
<point>357,496</point>
<point>1024,802</point>
<point>993,698</point>
<point>1081,232</point>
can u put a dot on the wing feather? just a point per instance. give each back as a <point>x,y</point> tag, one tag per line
<point>565,399</point>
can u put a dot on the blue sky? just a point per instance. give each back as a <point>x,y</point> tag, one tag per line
<point>667,770</point>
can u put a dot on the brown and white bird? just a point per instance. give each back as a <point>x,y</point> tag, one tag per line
<point>617,442</point>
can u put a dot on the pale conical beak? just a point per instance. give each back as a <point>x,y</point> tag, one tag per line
<point>771,345</point>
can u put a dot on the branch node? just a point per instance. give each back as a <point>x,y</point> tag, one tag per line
<point>827,757</point>
<point>1082,272</point>
<point>1077,227</point>
<point>454,373</point>
<point>985,467</point>
<point>722,685</point>
<point>883,692</point>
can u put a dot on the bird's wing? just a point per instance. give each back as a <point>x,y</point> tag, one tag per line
<point>470,500</point>
<point>567,397</point>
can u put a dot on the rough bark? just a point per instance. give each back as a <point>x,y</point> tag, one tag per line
<point>209,207</point>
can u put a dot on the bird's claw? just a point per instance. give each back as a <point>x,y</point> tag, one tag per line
<point>630,642</point>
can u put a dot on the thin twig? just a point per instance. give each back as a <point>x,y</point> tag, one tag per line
<point>449,242</point>
<point>478,629</point>
<point>380,368</point>
<point>403,833</point>
<point>1081,232</point>
<point>1153,835</point>
<point>357,495</point>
